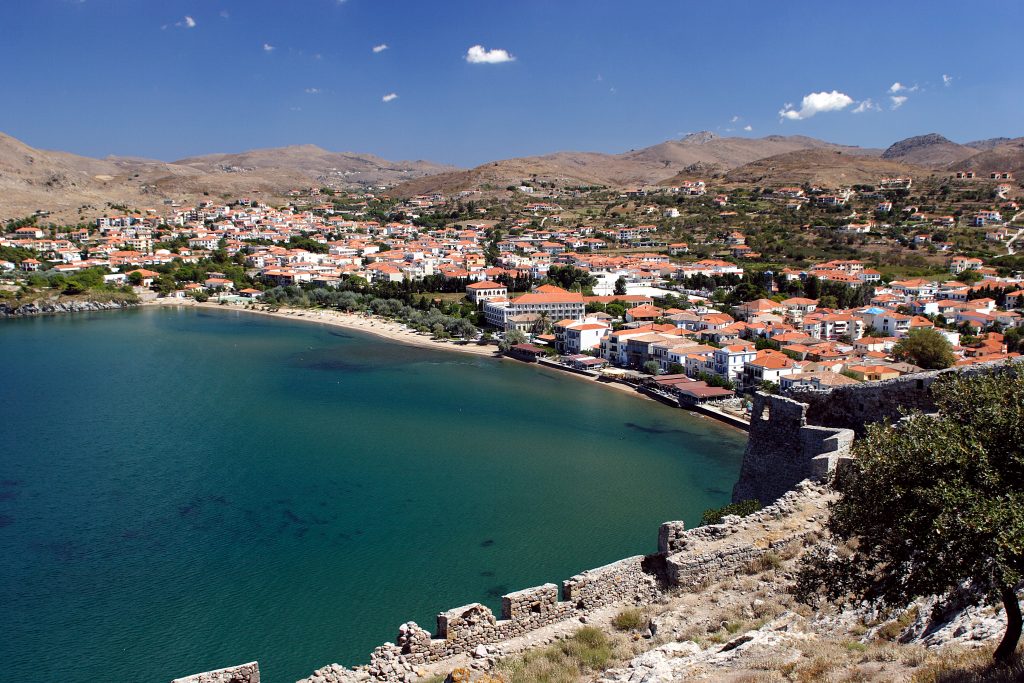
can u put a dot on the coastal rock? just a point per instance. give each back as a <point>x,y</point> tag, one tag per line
<point>53,308</point>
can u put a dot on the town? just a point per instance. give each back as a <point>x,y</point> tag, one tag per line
<point>699,292</point>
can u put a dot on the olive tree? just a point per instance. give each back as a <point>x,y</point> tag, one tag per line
<point>932,504</point>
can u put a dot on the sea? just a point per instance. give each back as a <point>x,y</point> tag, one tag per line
<point>188,489</point>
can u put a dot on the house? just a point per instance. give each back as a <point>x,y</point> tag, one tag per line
<point>728,361</point>
<point>768,366</point>
<point>578,336</point>
<point>643,313</point>
<point>872,373</point>
<point>478,292</point>
<point>218,283</point>
<point>146,277</point>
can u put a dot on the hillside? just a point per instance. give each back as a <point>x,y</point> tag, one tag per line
<point>825,167</point>
<point>931,150</point>
<point>316,164</point>
<point>703,151</point>
<point>74,187</point>
<point>1008,155</point>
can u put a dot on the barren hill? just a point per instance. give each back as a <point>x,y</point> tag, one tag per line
<point>75,187</point>
<point>826,167</point>
<point>1007,156</point>
<point>316,164</point>
<point>704,152</point>
<point>931,150</point>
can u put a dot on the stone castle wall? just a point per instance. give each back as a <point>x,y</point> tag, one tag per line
<point>808,434</point>
<point>784,449</point>
<point>685,559</point>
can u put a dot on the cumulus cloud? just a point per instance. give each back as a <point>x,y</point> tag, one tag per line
<point>390,96</point>
<point>896,87</point>
<point>897,101</point>
<point>947,80</point>
<point>815,103</point>
<point>380,48</point>
<point>267,47</point>
<point>748,128</point>
<point>313,91</point>
<point>734,119</point>
<point>866,105</point>
<point>478,54</point>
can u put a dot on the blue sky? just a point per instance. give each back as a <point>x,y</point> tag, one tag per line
<point>175,78</point>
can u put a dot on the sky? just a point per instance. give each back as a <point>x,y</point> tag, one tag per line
<point>468,81</point>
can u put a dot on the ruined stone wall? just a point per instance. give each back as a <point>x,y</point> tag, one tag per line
<point>856,406</point>
<point>244,673</point>
<point>808,434</point>
<point>784,449</point>
<point>710,553</point>
<point>685,559</point>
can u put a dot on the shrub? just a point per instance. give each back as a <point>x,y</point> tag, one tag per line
<point>742,509</point>
<point>631,619</point>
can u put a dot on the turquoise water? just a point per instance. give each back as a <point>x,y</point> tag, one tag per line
<point>182,490</point>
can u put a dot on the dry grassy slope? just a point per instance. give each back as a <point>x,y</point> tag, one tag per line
<point>316,163</point>
<point>59,182</point>
<point>1006,156</point>
<point>826,167</point>
<point>636,167</point>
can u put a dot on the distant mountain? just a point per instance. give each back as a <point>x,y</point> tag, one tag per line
<point>988,144</point>
<point>1007,155</point>
<point>76,187</point>
<point>704,153</point>
<point>318,164</point>
<point>931,150</point>
<point>824,167</point>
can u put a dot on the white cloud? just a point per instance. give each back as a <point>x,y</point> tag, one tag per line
<point>390,96</point>
<point>816,103</point>
<point>947,80</point>
<point>313,91</point>
<point>866,105</point>
<point>380,48</point>
<point>190,22</point>
<point>480,55</point>
<point>267,47</point>
<point>748,128</point>
<point>734,119</point>
<point>897,101</point>
<point>187,22</point>
<point>896,87</point>
<point>224,14</point>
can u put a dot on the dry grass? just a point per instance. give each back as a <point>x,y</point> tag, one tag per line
<point>969,666</point>
<point>630,619</point>
<point>589,650</point>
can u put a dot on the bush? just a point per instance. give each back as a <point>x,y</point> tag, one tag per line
<point>741,509</point>
<point>631,619</point>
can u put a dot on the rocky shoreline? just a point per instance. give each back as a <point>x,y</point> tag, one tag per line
<point>58,307</point>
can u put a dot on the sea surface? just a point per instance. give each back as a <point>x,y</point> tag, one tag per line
<point>182,490</point>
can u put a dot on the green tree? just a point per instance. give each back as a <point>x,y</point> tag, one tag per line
<point>933,503</point>
<point>926,348</point>
<point>620,286</point>
<point>651,367</point>
<point>512,337</point>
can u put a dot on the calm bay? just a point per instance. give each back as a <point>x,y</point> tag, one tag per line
<point>184,489</point>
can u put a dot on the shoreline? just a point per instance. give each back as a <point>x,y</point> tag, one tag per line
<point>392,331</point>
